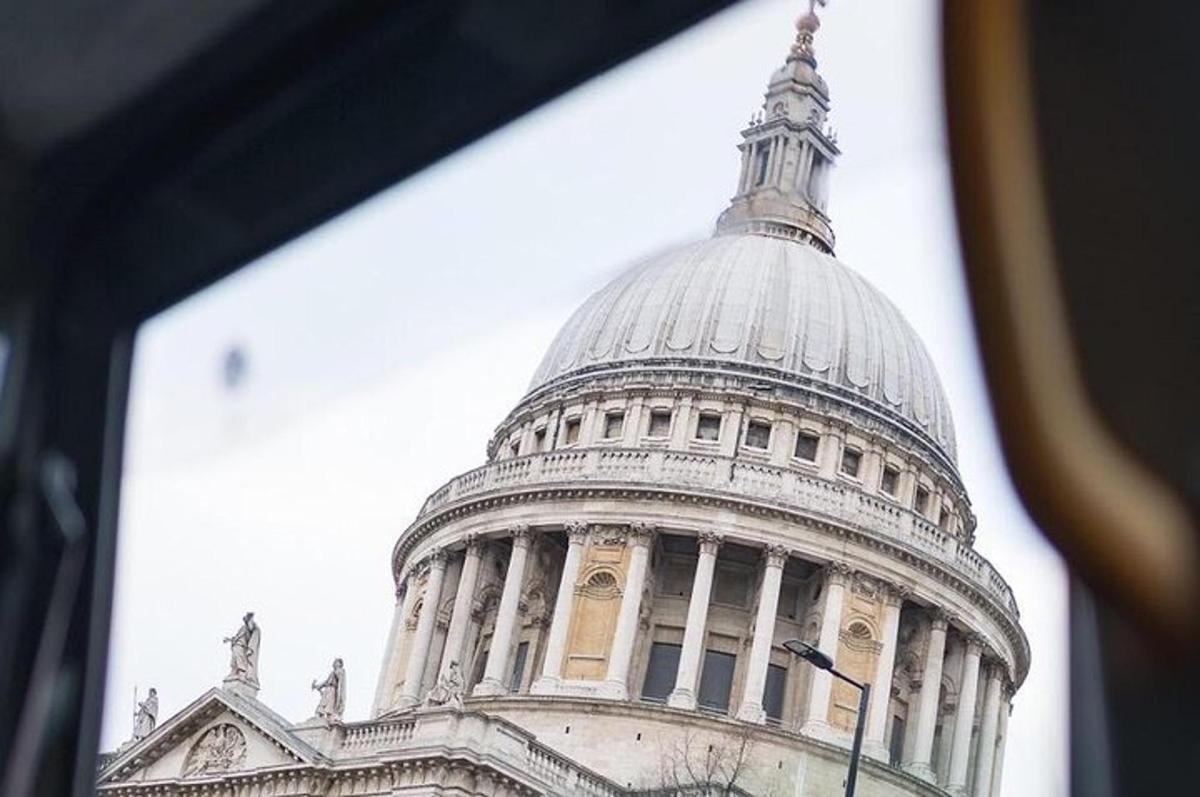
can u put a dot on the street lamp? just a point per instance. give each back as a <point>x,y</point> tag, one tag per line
<point>822,661</point>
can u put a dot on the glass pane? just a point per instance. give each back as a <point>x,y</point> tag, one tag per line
<point>518,670</point>
<point>660,424</point>
<point>660,671</point>
<point>716,680</point>
<point>773,691</point>
<point>806,447</point>
<point>758,435</point>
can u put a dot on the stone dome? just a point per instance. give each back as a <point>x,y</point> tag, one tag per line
<point>761,304</point>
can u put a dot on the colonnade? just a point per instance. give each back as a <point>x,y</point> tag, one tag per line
<point>979,777</point>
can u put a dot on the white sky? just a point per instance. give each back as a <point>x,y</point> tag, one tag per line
<point>384,347</point>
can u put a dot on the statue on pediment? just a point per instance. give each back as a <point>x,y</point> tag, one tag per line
<point>243,652</point>
<point>332,704</point>
<point>145,716</point>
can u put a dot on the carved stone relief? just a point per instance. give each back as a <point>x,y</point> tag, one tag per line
<point>220,749</point>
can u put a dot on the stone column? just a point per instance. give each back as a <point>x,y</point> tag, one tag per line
<point>493,681</point>
<point>986,752</point>
<point>816,722</point>
<point>928,699</point>
<point>616,680</point>
<point>389,674</point>
<point>881,686</point>
<point>751,710</point>
<point>460,618</point>
<point>964,718</point>
<point>418,652</point>
<point>632,430</point>
<point>998,764</point>
<point>564,607</point>
<point>684,693</point>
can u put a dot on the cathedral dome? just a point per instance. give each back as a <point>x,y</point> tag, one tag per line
<point>764,305</point>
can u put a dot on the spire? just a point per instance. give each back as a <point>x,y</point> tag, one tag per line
<point>788,151</point>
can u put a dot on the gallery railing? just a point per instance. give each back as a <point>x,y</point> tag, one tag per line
<point>825,499</point>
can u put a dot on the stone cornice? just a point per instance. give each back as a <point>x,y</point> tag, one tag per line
<point>915,558</point>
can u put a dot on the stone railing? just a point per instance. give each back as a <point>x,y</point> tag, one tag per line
<point>826,499</point>
<point>509,749</point>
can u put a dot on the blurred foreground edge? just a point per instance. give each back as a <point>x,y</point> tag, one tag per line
<point>1068,130</point>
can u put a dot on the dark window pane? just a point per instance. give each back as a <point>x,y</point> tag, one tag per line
<point>539,440</point>
<point>708,427</point>
<point>518,670</point>
<point>921,500</point>
<point>806,446</point>
<point>851,461</point>
<point>572,431</point>
<point>660,423</point>
<point>660,672</point>
<point>896,745</point>
<point>773,691</point>
<point>614,424</point>
<point>889,480</point>
<point>716,680</point>
<point>758,434</point>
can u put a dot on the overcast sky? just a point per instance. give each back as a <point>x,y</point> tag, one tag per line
<point>383,348</point>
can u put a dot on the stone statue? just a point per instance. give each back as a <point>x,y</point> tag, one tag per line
<point>243,658</point>
<point>333,693</point>
<point>449,689</point>
<point>145,716</point>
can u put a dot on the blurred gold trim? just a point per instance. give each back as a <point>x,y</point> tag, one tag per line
<point>1117,525</point>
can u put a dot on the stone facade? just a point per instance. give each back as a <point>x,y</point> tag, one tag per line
<point>733,445</point>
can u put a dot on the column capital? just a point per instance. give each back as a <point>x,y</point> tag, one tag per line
<point>577,532</point>
<point>709,542</point>
<point>893,594</point>
<point>437,559</point>
<point>838,573</point>
<point>640,534</point>
<point>975,644</point>
<point>939,619</point>
<point>474,544</point>
<point>520,535</point>
<point>775,555</point>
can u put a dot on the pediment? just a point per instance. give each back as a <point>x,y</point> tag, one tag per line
<point>216,735</point>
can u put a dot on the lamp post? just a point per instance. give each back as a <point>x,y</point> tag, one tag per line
<point>822,661</point>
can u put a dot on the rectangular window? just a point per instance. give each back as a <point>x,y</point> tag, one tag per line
<point>571,431</point>
<point>660,424</point>
<point>773,692</point>
<point>515,447</point>
<point>614,425</point>
<point>896,743</point>
<point>890,480</point>
<point>806,446</point>
<point>945,518</point>
<point>518,670</point>
<point>921,500</point>
<point>851,462</point>
<point>716,680</point>
<point>660,671</point>
<point>539,439</point>
<point>758,434</point>
<point>764,157</point>
<point>708,427</point>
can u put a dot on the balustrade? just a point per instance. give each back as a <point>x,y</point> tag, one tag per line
<point>791,488</point>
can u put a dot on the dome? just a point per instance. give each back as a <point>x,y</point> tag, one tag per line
<point>771,306</point>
